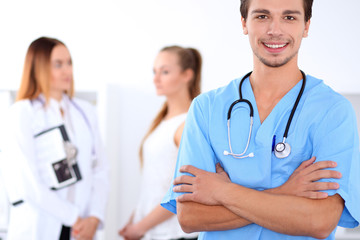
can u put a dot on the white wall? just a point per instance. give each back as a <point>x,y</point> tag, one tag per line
<point>116,41</point>
<point>113,45</point>
<point>129,113</point>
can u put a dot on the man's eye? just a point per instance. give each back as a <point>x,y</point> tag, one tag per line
<point>165,72</point>
<point>289,18</point>
<point>262,17</point>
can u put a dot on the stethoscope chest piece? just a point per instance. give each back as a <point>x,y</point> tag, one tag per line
<point>282,150</point>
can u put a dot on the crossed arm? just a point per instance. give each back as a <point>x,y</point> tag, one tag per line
<point>212,202</point>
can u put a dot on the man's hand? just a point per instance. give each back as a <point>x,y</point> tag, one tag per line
<point>85,228</point>
<point>202,187</point>
<point>303,181</point>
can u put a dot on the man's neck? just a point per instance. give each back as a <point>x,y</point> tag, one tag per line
<point>270,85</point>
<point>274,81</point>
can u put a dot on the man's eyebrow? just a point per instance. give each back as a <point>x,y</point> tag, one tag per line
<point>263,11</point>
<point>290,12</point>
<point>286,12</point>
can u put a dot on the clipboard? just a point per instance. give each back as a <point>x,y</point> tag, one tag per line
<point>55,150</point>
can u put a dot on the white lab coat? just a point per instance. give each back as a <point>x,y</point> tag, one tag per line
<point>44,211</point>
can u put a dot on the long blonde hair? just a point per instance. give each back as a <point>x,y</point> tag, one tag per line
<point>37,70</point>
<point>189,58</point>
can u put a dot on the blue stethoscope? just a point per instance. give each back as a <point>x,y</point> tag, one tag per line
<point>281,149</point>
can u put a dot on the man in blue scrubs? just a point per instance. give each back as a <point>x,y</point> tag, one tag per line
<point>261,196</point>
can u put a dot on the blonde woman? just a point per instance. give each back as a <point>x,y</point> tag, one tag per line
<point>177,76</point>
<point>48,200</point>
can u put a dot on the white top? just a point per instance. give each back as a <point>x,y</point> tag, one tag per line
<point>160,154</point>
<point>44,211</point>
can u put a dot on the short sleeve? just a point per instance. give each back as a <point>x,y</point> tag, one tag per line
<point>195,148</point>
<point>337,139</point>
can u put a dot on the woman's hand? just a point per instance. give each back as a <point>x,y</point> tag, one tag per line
<point>85,228</point>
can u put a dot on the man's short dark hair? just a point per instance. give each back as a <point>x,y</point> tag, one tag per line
<point>244,8</point>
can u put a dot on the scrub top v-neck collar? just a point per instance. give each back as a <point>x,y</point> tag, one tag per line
<point>265,130</point>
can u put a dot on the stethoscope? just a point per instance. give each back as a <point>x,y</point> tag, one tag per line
<point>82,113</point>
<point>281,149</point>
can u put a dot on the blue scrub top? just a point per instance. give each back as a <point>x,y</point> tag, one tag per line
<point>324,125</point>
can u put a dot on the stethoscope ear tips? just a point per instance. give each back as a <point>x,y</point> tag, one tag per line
<point>226,153</point>
<point>251,154</point>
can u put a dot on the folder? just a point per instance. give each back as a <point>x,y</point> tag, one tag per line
<point>57,157</point>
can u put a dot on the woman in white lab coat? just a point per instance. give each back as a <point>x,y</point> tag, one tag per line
<point>177,76</point>
<point>44,101</point>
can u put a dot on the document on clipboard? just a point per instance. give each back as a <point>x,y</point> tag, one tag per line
<point>59,155</point>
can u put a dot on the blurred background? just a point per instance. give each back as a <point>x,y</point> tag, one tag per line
<point>114,43</point>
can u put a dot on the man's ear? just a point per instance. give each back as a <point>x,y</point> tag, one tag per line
<point>243,23</point>
<point>306,31</point>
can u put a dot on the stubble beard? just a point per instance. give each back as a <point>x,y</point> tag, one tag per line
<point>276,63</point>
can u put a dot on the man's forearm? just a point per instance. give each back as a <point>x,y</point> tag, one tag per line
<point>196,217</point>
<point>282,213</point>
<point>204,186</point>
<point>279,217</point>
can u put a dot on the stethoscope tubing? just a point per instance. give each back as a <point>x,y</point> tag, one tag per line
<point>279,154</point>
<point>238,155</point>
<point>295,106</point>
<point>82,113</point>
